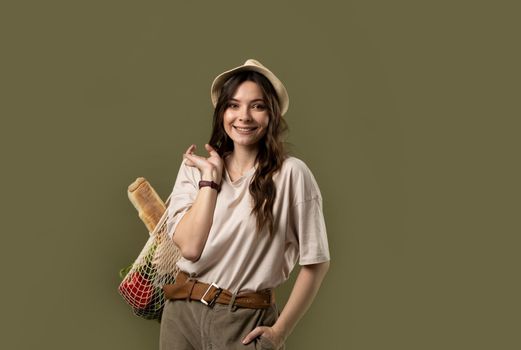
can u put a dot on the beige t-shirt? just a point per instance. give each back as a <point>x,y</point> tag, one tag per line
<point>236,256</point>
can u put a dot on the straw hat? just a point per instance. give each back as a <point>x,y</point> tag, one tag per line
<point>256,66</point>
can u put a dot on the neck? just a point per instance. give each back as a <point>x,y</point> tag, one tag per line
<point>243,159</point>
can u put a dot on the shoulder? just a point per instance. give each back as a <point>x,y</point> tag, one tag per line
<point>294,165</point>
<point>297,174</point>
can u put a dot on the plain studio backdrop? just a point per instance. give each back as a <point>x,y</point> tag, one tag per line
<point>407,112</point>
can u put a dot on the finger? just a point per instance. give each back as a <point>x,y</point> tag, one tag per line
<point>194,157</point>
<point>191,149</point>
<point>211,150</point>
<point>190,159</point>
<point>189,162</point>
<point>252,335</point>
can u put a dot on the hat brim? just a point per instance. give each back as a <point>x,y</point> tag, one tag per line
<point>252,65</point>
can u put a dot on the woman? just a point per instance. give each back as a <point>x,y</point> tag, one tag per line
<point>242,217</point>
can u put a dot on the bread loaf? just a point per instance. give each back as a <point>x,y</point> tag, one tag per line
<point>147,202</point>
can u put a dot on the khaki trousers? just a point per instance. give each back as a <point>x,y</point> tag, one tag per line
<point>191,325</point>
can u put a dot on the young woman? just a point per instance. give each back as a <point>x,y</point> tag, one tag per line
<point>242,217</point>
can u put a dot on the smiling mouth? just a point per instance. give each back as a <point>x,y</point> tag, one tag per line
<point>244,129</point>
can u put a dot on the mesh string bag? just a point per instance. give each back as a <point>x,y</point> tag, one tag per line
<point>155,266</point>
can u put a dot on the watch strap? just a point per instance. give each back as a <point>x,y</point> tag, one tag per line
<point>211,184</point>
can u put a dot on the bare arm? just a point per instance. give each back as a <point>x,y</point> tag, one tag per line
<point>302,295</point>
<point>192,231</point>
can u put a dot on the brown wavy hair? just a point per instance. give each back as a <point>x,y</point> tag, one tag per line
<point>272,149</point>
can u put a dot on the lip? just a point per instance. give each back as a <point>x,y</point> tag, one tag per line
<point>251,129</point>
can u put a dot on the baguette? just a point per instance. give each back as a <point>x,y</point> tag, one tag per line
<point>147,202</point>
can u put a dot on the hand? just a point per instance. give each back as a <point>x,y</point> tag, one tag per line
<point>269,333</point>
<point>211,168</point>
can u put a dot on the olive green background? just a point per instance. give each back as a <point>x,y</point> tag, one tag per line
<point>407,112</point>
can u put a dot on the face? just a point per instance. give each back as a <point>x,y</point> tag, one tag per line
<point>246,117</point>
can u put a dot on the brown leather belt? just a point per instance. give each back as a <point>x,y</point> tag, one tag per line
<point>209,294</point>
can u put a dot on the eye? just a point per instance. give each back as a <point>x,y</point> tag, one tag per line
<point>232,105</point>
<point>259,106</point>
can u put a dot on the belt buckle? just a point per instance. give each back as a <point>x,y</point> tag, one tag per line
<point>214,299</point>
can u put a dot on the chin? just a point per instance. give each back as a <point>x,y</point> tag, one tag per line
<point>246,144</point>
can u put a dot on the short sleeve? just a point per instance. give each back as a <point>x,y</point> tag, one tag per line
<point>307,219</point>
<point>182,197</point>
<point>311,232</point>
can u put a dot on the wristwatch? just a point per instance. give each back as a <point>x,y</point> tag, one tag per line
<point>212,184</point>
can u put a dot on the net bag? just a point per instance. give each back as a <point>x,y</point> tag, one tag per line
<point>143,281</point>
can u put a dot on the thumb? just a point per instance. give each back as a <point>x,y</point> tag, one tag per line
<point>253,334</point>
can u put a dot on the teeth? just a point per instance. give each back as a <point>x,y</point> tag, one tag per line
<point>244,129</point>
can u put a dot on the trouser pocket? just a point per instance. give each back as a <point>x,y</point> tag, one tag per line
<point>265,344</point>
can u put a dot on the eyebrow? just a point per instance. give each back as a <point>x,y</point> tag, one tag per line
<point>257,99</point>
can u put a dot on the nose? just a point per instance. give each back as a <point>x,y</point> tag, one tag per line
<point>245,114</point>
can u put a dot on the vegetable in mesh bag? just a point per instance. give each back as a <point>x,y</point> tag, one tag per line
<point>142,285</point>
<point>137,286</point>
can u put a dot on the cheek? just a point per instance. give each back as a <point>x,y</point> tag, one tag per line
<point>227,129</point>
<point>227,122</point>
<point>266,124</point>
<point>263,120</point>
<point>226,118</point>
<point>264,129</point>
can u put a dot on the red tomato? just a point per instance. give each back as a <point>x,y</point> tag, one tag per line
<point>137,290</point>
